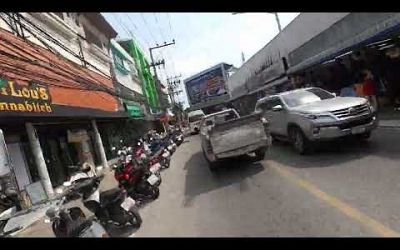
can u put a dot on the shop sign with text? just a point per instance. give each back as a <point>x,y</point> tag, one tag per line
<point>32,98</point>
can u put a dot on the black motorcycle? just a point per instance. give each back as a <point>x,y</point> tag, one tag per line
<point>117,212</point>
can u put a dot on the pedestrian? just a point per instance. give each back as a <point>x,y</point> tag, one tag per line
<point>369,88</point>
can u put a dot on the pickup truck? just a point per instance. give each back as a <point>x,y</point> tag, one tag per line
<point>305,116</point>
<point>226,135</point>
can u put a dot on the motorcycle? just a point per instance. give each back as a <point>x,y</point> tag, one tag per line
<point>117,212</point>
<point>136,179</point>
<point>72,222</point>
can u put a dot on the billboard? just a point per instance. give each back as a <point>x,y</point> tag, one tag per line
<point>207,86</point>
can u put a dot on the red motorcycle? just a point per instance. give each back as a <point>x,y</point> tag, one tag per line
<point>136,179</point>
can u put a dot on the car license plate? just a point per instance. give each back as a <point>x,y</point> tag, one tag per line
<point>155,167</point>
<point>128,203</point>
<point>358,130</point>
<point>152,179</point>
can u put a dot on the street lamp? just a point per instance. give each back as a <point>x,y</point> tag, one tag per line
<point>276,17</point>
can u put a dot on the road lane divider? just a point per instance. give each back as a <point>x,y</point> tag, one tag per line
<point>346,209</point>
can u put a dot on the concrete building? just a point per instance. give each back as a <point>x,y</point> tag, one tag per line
<point>310,39</point>
<point>56,87</point>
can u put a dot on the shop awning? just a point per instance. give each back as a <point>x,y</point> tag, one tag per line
<point>364,38</point>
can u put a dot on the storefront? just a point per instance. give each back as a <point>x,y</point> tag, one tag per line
<point>49,115</point>
<point>366,53</point>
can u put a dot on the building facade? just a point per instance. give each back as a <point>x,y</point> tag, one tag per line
<point>143,68</point>
<point>56,88</point>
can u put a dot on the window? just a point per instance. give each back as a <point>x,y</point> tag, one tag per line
<point>59,14</point>
<point>274,102</point>
<point>269,104</point>
<point>120,65</point>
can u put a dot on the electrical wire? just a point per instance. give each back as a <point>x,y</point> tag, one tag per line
<point>52,39</point>
<point>93,86</point>
<point>55,64</point>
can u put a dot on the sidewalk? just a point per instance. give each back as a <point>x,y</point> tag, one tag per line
<point>388,118</point>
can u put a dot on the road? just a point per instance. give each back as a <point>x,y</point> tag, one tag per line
<point>346,188</point>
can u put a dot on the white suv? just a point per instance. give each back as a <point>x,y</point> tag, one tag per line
<point>313,114</point>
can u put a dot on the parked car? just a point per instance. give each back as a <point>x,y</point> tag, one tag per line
<point>307,115</point>
<point>225,135</point>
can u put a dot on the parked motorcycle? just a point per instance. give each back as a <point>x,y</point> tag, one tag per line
<point>117,212</point>
<point>72,222</point>
<point>136,179</point>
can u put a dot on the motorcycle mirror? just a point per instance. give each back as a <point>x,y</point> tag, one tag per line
<point>67,184</point>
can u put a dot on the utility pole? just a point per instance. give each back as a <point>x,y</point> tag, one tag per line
<point>173,83</point>
<point>151,54</point>
<point>174,89</point>
<point>154,64</point>
<point>278,22</point>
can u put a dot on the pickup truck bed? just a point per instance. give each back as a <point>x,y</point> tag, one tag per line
<point>238,137</point>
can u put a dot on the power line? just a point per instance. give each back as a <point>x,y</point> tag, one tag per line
<point>136,28</point>
<point>128,31</point>
<point>159,27</point>
<point>52,39</point>
<point>147,27</point>
<point>86,82</point>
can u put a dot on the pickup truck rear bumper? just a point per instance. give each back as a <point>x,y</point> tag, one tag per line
<point>245,150</point>
<point>340,130</point>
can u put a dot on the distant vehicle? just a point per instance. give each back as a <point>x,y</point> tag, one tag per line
<point>194,121</point>
<point>226,135</point>
<point>307,115</point>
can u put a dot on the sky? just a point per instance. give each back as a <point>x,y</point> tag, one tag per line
<point>202,40</point>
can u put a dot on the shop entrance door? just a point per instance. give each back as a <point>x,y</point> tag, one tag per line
<point>19,165</point>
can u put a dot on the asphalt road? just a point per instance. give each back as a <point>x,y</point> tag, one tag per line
<point>346,188</point>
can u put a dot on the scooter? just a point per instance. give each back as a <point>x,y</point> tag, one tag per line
<point>72,222</point>
<point>117,212</point>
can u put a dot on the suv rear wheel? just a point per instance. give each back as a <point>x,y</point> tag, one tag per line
<point>299,141</point>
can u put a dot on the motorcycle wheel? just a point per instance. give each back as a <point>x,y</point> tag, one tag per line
<point>158,183</point>
<point>166,164</point>
<point>155,192</point>
<point>135,218</point>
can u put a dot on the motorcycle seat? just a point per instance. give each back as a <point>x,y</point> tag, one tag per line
<point>81,227</point>
<point>112,196</point>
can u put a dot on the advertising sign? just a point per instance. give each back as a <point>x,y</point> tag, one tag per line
<point>207,86</point>
<point>33,98</point>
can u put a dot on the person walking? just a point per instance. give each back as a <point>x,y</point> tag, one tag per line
<point>369,88</point>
